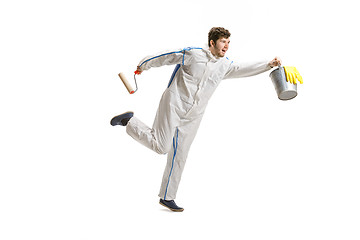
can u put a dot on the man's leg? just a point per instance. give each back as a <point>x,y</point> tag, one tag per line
<point>159,137</point>
<point>176,159</point>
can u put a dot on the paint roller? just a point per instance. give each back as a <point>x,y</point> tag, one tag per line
<point>126,82</point>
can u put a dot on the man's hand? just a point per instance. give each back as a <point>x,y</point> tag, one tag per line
<point>275,62</point>
<point>138,71</point>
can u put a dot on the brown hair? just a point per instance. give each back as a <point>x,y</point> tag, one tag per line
<point>216,33</point>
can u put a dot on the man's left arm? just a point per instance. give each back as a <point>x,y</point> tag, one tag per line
<point>251,68</point>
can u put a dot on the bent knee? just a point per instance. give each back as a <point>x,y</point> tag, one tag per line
<point>161,149</point>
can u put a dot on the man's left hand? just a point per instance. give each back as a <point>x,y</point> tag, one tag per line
<point>275,62</point>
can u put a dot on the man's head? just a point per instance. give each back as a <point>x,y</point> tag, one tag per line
<point>218,40</point>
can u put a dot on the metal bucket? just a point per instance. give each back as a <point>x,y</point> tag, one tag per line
<point>285,90</point>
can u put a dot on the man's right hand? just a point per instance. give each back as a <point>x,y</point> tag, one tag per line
<point>138,71</point>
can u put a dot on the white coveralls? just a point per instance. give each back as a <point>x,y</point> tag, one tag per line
<point>197,74</point>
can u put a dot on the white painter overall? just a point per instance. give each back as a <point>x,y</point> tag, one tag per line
<point>195,78</point>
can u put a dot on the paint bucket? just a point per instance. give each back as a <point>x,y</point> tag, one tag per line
<point>285,90</point>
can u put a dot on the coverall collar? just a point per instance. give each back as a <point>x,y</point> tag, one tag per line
<point>207,50</point>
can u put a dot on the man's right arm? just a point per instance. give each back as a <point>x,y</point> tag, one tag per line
<point>161,59</point>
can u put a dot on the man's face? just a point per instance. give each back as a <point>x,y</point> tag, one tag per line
<point>219,49</point>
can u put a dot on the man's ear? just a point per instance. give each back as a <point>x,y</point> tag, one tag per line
<point>212,43</point>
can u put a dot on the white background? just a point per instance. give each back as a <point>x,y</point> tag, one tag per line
<point>259,168</point>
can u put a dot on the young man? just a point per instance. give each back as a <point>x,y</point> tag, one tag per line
<point>197,73</point>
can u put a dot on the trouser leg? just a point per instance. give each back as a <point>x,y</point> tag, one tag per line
<point>159,137</point>
<point>176,159</point>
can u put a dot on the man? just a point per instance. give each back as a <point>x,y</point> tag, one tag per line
<point>197,73</point>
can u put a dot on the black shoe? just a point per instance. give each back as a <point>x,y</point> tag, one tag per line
<point>171,205</point>
<point>122,119</point>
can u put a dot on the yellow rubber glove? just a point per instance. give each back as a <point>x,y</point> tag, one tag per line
<point>292,74</point>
